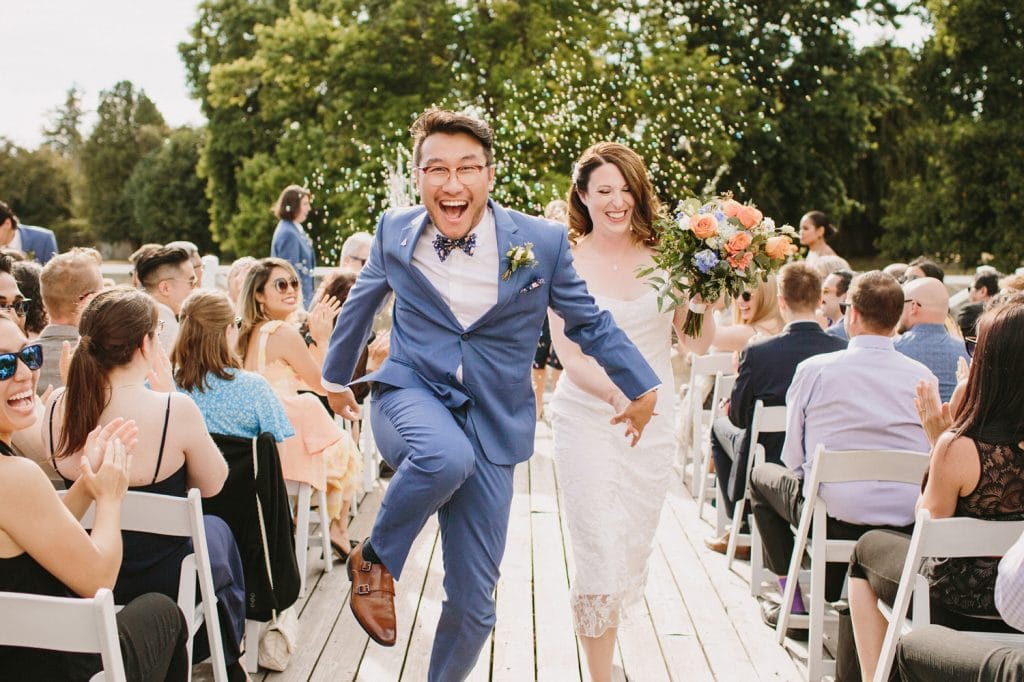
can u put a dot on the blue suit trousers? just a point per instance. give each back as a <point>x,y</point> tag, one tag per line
<point>440,467</point>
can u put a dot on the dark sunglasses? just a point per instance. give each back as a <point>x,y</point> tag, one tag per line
<point>20,308</point>
<point>32,356</point>
<point>843,307</point>
<point>746,296</point>
<point>282,284</point>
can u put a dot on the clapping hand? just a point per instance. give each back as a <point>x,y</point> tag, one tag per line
<point>935,415</point>
<point>321,319</point>
<point>161,375</point>
<point>64,364</point>
<point>109,480</point>
<point>99,438</point>
<point>377,352</point>
<point>636,414</point>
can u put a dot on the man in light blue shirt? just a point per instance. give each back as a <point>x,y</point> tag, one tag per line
<point>861,398</point>
<point>923,334</point>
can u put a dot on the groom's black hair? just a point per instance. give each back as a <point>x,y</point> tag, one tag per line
<point>434,121</point>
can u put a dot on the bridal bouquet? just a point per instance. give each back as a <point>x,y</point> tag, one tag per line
<point>714,247</point>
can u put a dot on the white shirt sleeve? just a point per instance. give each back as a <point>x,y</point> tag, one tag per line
<point>1010,586</point>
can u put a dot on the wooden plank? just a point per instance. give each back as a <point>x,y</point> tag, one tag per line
<point>513,655</point>
<point>642,657</point>
<point>557,657</point>
<point>326,600</point>
<point>674,625</point>
<point>421,636</point>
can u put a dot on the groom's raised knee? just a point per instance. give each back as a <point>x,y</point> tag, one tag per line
<point>449,464</point>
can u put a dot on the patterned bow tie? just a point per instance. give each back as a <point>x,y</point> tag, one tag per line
<point>444,246</point>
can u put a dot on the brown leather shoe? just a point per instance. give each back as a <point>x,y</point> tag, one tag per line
<point>373,597</point>
<point>721,545</point>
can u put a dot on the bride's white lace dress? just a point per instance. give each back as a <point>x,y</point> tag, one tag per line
<point>612,493</point>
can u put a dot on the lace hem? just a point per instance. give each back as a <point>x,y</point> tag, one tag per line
<point>593,614</point>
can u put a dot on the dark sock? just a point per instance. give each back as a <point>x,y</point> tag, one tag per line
<point>369,554</point>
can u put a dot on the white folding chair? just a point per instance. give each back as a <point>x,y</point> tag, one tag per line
<point>845,466</point>
<point>309,527</point>
<point>371,456</point>
<point>180,517</point>
<point>700,366</point>
<point>84,626</point>
<point>764,420</point>
<point>707,481</point>
<point>954,538</point>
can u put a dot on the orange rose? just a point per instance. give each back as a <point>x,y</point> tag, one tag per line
<point>740,261</point>
<point>703,225</point>
<point>779,247</point>
<point>749,216</point>
<point>738,242</point>
<point>731,207</point>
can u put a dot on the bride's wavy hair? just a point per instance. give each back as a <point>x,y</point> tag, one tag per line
<point>646,204</point>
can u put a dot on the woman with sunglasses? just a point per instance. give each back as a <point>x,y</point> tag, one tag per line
<point>271,345</point>
<point>106,380</point>
<point>756,314</point>
<point>44,549</point>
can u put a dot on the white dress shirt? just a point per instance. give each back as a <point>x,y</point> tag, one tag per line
<point>1010,586</point>
<point>861,398</point>
<point>169,334</point>
<point>468,284</point>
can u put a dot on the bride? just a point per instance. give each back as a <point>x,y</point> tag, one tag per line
<point>613,494</point>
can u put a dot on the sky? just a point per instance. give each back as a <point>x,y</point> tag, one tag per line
<point>50,45</point>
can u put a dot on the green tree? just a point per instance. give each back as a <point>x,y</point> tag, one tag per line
<point>63,134</point>
<point>129,127</point>
<point>965,199</point>
<point>37,185</point>
<point>166,195</point>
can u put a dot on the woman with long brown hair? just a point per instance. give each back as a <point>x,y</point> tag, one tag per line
<point>612,504</point>
<point>976,467</point>
<point>106,380</point>
<point>272,346</point>
<point>44,549</point>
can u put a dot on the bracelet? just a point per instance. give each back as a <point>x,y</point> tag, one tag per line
<point>698,308</point>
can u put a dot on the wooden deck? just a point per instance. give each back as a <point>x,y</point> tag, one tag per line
<point>700,622</point>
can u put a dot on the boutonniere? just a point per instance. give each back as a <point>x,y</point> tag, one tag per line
<point>519,257</point>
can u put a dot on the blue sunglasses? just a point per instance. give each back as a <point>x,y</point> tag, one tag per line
<point>32,356</point>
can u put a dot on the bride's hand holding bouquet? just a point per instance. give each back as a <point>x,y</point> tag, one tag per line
<point>712,248</point>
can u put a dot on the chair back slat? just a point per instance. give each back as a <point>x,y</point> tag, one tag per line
<point>968,537</point>
<point>84,626</point>
<point>845,466</point>
<point>707,365</point>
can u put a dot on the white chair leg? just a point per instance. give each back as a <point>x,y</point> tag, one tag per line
<point>737,523</point>
<point>325,532</point>
<point>253,631</point>
<point>757,571</point>
<point>816,609</point>
<point>302,534</point>
<point>721,519</point>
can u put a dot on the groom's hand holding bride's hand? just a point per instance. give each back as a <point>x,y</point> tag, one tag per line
<point>344,403</point>
<point>636,414</point>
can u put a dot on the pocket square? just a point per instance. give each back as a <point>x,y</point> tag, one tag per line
<point>532,285</point>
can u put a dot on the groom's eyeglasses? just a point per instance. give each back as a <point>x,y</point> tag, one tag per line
<point>439,175</point>
<point>32,356</point>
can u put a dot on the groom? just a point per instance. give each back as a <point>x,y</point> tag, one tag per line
<point>453,406</point>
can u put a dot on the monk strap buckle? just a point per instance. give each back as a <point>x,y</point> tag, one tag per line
<point>362,589</point>
<point>366,567</point>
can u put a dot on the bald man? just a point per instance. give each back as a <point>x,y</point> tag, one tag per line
<point>924,336</point>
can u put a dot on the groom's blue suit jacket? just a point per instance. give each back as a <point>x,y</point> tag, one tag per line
<point>428,344</point>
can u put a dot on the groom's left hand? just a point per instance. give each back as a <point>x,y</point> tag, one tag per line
<point>636,415</point>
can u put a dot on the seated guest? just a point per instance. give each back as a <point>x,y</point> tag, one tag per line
<point>355,252</point>
<point>26,274</point>
<point>923,334</point>
<point>11,299</point>
<point>37,243</point>
<point>193,257</point>
<point>47,552</point>
<point>207,369</point>
<point>107,380</point>
<point>826,265</point>
<point>861,398</point>
<point>833,301</point>
<point>755,314</point>
<point>1011,283</point>
<point>68,283</point>
<point>981,292</point>
<point>320,453</point>
<point>138,255</point>
<point>168,276</point>
<point>923,267</point>
<point>976,466</point>
<point>242,405</point>
<point>765,372</point>
<point>897,270</point>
